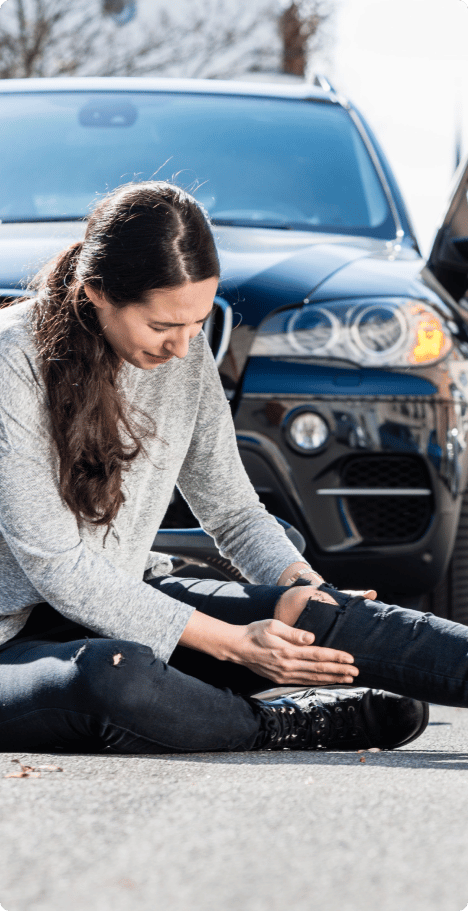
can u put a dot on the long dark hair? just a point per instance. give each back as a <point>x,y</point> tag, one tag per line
<point>139,238</point>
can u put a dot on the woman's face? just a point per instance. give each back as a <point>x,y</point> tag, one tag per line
<point>147,335</point>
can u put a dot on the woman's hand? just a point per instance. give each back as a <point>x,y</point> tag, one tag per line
<point>286,655</point>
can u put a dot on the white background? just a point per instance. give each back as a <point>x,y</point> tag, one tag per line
<point>405,64</point>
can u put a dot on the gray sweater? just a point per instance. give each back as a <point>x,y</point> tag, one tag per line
<point>45,555</point>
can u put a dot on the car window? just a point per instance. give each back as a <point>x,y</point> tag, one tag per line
<point>271,162</point>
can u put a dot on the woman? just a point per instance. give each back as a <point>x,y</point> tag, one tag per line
<point>109,396</point>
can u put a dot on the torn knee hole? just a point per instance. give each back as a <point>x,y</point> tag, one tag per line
<point>78,654</point>
<point>117,659</point>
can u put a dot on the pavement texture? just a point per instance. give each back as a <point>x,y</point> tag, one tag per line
<point>241,832</point>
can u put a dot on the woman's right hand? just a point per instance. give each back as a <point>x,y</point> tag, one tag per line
<point>287,655</point>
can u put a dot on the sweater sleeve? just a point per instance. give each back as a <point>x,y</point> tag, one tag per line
<point>43,535</point>
<point>217,488</point>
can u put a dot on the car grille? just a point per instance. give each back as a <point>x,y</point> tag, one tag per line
<point>388,519</point>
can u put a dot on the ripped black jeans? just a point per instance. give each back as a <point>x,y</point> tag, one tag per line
<point>65,688</point>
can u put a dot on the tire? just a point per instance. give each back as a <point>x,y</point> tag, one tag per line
<point>211,568</point>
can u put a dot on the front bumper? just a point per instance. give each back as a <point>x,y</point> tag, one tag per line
<point>378,505</point>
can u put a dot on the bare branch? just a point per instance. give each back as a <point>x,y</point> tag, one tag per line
<point>215,39</point>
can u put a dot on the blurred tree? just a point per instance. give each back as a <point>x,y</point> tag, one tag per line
<point>212,39</point>
<point>113,7</point>
<point>45,37</point>
<point>300,27</point>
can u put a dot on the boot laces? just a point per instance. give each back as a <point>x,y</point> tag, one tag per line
<point>286,726</point>
<point>314,724</point>
<point>344,722</point>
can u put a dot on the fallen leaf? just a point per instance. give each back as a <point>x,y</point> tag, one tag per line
<point>126,883</point>
<point>25,774</point>
<point>50,768</point>
<point>27,771</point>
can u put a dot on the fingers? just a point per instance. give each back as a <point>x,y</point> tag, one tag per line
<point>325,667</point>
<point>314,675</point>
<point>287,655</point>
<point>370,593</point>
<point>317,653</point>
<point>317,679</point>
<point>301,637</point>
<point>290,633</point>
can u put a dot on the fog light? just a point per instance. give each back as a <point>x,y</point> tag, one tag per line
<point>307,431</point>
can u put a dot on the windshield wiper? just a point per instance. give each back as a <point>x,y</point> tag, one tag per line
<point>7,220</point>
<point>251,223</point>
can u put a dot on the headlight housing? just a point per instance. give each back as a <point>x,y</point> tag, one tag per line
<point>382,332</point>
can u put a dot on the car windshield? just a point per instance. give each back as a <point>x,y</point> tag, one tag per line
<point>269,162</point>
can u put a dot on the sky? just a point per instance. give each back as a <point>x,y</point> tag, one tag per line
<point>404,63</point>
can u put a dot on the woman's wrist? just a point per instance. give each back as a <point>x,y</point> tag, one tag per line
<point>307,575</point>
<point>215,637</point>
<point>234,645</point>
<point>299,571</point>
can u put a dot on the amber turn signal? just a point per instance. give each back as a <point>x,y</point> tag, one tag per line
<point>431,341</point>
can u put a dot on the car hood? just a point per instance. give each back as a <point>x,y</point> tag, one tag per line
<point>26,246</point>
<point>262,269</point>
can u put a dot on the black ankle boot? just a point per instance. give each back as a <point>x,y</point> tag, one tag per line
<point>339,719</point>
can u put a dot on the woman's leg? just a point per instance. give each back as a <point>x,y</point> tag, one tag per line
<point>91,695</point>
<point>402,651</point>
<point>95,694</point>
<point>398,650</point>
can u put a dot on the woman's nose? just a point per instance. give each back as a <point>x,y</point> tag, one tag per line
<point>178,344</point>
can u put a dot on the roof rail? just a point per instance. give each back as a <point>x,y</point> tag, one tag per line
<point>323,83</point>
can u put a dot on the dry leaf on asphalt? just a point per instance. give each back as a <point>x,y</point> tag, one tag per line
<point>29,771</point>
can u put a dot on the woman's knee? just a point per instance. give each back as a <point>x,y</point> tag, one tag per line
<point>114,672</point>
<point>293,602</point>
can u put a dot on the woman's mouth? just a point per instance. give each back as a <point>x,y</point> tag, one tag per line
<point>155,357</point>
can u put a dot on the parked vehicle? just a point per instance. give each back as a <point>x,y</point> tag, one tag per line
<point>347,369</point>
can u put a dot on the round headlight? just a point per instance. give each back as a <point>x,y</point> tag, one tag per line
<point>307,431</point>
<point>312,330</point>
<point>379,330</point>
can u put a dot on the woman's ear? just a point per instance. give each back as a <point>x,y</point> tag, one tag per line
<point>96,297</point>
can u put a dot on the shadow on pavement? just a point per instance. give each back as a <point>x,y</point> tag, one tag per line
<point>428,759</point>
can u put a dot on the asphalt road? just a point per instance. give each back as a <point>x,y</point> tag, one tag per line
<point>241,832</point>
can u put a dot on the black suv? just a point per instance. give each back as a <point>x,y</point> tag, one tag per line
<point>347,365</point>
